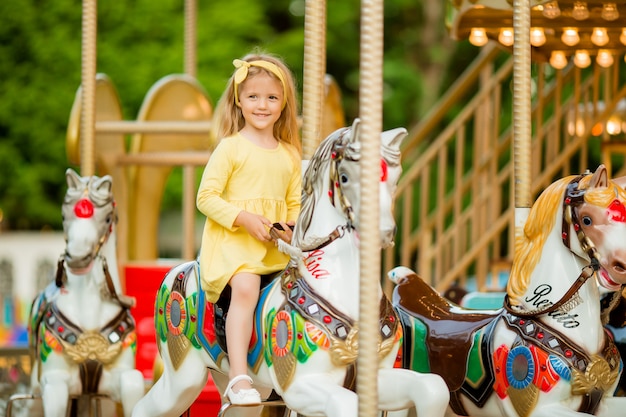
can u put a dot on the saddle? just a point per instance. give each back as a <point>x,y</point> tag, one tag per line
<point>450,328</point>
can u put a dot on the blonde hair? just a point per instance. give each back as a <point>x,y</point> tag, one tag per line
<point>228,118</point>
<point>540,222</point>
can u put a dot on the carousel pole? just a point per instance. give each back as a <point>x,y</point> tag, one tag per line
<point>88,82</point>
<point>521,113</point>
<point>191,12</point>
<point>189,171</point>
<point>314,68</point>
<point>370,109</point>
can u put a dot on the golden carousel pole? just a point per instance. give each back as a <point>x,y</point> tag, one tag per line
<point>370,110</point>
<point>88,83</point>
<point>521,113</point>
<point>314,68</point>
<point>189,171</point>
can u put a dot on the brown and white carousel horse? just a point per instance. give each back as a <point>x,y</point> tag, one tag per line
<point>546,353</point>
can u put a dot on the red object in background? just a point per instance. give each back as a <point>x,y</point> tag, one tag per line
<point>142,282</point>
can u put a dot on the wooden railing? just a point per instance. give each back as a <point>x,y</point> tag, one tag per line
<point>455,201</point>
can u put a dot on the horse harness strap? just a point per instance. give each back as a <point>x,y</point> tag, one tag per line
<point>592,375</point>
<point>586,273</point>
<point>314,308</point>
<point>124,301</point>
<point>90,350</point>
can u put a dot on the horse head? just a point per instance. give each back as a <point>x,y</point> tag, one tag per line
<point>331,184</point>
<point>89,217</point>
<point>586,216</point>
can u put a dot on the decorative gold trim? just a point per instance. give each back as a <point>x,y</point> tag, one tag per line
<point>178,347</point>
<point>343,353</point>
<point>523,400</point>
<point>92,345</point>
<point>284,367</point>
<point>598,375</point>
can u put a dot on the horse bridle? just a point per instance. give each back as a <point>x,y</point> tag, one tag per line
<point>61,276</point>
<point>574,197</point>
<point>337,155</point>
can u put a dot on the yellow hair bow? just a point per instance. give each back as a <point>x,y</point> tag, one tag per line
<point>241,73</point>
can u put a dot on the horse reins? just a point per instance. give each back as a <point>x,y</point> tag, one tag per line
<point>574,197</point>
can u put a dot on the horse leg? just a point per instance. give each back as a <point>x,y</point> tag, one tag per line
<point>55,393</point>
<point>612,406</point>
<point>400,389</point>
<point>315,396</point>
<point>176,389</point>
<point>132,389</point>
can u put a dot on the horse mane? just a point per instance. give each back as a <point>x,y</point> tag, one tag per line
<point>318,165</point>
<point>540,223</point>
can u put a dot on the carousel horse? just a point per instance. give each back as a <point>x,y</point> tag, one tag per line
<point>304,342</point>
<point>82,335</point>
<point>545,353</point>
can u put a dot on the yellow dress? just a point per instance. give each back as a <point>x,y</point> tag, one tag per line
<point>243,176</point>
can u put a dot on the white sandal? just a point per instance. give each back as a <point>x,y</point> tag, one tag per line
<point>243,396</point>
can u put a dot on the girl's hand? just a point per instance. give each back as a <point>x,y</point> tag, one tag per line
<point>284,232</point>
<point>256,225</point>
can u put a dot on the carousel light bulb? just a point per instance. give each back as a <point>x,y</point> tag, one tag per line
<point>614,125</point>
<point>581,59</point>
<point>609,12</point>
<point>478,37</point>
<point>580,10</point>
<point>570,36</point>
<point>506,36</point>
<point>604,58</point>
<point>537,36</point>
<point>622,37</point>
<point>551,10</point>
<point>558,59</point>
<point>599,36</point>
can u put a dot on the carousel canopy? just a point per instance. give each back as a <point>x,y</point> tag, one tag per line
<point>560,29</point>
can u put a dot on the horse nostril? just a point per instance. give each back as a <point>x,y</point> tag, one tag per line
<point>619,267</point>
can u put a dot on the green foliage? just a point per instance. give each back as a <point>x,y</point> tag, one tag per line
<point>141,41</point>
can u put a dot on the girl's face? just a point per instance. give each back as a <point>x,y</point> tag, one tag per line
<point>261,99</point>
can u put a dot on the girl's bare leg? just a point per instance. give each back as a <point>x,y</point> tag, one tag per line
<point>245,295</point>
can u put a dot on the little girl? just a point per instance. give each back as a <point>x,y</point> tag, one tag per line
<point>252,180</point>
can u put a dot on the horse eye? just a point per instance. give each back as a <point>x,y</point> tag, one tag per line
<point>344,178</point>
<point>587,221</point>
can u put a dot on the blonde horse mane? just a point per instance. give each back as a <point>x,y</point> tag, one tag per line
<point>539,225</point>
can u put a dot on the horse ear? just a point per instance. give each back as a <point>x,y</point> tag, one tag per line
<point>599,178</point>
<point>356,130</point>
<point>393,138</point>
<point>621,181</point>
<point>104,184</point>
<point>72,178</point>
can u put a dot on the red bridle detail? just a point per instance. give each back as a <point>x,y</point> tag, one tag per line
<point>83,208</point>
<point>617,211</point>
<point>383,170</point>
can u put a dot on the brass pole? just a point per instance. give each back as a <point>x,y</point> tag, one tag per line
<point>521,112</point>
<point>370,109</point>
<point>88,82</point>
<point>314,68</point>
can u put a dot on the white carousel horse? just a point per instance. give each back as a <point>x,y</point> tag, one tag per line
<point>304,342</point>
<point>546,352</point>
<point>82,333</point>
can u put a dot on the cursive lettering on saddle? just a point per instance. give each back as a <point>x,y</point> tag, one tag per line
<point>312,264</point>
<point>539,300</point>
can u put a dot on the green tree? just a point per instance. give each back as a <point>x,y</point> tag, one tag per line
<point>141,41</point>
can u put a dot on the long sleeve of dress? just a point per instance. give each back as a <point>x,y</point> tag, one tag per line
<point>214,180</point>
